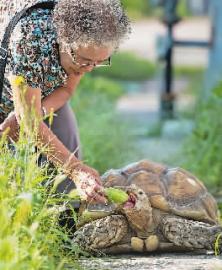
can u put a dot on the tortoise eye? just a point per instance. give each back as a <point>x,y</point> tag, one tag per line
<point>140,193</point>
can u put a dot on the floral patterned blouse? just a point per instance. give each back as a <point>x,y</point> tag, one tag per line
<point>34,54</point>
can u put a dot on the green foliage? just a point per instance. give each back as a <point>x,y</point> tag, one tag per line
<point>104,137</point>
<point>29,235</point>
<point>127,66</point>
<point>204,147</point>
<point>99,86</point>
<point>182,8</point>
<point>189,71</point>
<point>195,78</point>
<point>137,9</point>
<point>143,8</point>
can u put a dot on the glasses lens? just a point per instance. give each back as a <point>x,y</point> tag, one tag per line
<point>84,63</point>
<point>105,63</point>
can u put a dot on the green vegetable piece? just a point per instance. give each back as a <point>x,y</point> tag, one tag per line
<point>116,195</point>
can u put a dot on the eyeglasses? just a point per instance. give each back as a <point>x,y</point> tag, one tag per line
<point>105,63</point>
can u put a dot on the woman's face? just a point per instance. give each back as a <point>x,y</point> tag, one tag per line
<point>84,58</point>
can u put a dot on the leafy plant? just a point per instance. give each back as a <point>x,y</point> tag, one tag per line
<point>105,140</point>
<point>30,237</point>
<point>204,146</point>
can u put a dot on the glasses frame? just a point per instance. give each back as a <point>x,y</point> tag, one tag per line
<point>73,55</point>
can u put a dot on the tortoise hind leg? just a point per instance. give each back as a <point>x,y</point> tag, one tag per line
<point>101,233</point>
<point>190,234</point>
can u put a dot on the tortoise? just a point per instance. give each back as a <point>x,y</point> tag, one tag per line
<point>168,209</point>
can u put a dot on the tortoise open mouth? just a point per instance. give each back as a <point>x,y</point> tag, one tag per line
<point>131,201</point>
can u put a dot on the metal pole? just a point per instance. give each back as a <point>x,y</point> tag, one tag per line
<point>167,97</point>
<point>166,47</point>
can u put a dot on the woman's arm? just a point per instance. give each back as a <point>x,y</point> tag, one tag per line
<point>61,95</point>
<point>56,151</point>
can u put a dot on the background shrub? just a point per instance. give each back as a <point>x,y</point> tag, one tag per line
<point>105,140</point>
<point>204,147</point>
<point>127,66</point>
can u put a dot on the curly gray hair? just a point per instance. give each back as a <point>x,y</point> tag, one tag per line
<point>85,22</point>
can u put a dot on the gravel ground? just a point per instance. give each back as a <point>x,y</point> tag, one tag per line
<point>155,262</point>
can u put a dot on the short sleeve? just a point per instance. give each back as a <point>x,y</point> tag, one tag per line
<point>34,52</point>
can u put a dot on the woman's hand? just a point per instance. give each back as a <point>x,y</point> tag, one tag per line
<point>12,125</point>
<point>89,184</point>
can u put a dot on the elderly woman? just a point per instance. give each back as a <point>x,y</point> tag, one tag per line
<point>52,50</point>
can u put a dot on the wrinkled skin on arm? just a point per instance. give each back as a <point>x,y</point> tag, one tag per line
<point>11,126</point>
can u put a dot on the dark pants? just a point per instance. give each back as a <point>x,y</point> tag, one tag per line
<point>64,126</point>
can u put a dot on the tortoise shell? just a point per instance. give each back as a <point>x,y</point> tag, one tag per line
<point>172,190</point>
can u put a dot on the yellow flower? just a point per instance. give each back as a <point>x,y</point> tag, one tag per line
<point>17,81</point>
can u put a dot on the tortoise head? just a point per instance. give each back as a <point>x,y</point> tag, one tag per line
<point>137,198</point>
<point>138,211</point>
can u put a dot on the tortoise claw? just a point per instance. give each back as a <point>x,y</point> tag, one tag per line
<point>152,243</point>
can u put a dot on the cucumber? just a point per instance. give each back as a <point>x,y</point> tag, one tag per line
<point>115,195</point>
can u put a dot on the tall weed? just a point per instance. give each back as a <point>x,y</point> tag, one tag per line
<point>204,146</point>
<point>30,237</point>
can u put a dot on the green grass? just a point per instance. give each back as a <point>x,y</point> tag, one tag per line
<point>137,9</point>
<point>104,136</point>
<point>204,146</point>
<point>188,71</point>
<point>195,77</point>
<point>127,66</point>
<point>29,235</point>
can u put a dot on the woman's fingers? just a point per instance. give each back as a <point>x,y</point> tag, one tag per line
<point>98,181</point>
<point>95,196</point>
<point>92,188</point>
<point>96,193</point>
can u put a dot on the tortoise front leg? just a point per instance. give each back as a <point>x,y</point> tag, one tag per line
<point>101,233</point>
<point>190,234</point>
